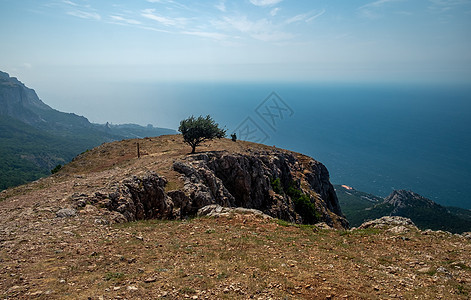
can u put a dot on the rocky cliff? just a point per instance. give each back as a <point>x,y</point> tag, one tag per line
<point>34,137</point>
<point>22,103</point>
<point>280,183</point>
<point>18,101</point>
<point>247,180</point>
<point>56,238</point>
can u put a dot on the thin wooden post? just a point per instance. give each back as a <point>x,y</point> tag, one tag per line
<point>138,152</point>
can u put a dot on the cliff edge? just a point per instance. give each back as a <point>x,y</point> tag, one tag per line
<point>67,235</point>
<point>168,183</point>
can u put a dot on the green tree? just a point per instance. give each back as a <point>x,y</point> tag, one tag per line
<point>197,130</point>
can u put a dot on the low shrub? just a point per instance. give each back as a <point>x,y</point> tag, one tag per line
<point>302,202</point>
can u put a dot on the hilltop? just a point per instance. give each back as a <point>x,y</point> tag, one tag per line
<point>64,237</point>
<point>223,172</point>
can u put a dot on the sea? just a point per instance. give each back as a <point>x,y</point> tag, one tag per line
<point>373,137</point>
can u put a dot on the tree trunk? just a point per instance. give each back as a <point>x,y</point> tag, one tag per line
<point>193,147</point>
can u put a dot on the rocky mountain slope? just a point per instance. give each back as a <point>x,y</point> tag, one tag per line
<point>425,213</point>
<point>68,236</point>
<point>167,183</point>
<point>34,137</point>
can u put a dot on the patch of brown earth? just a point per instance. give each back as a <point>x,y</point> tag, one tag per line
<point>79,256</point>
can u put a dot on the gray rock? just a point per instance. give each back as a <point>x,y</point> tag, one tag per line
<point>66,213</point>
<point>215,210</point>
<point>399,229</point>
<point>140,198</point>
<point>323,225</point>
<point>389,221</point>
<point>444,272</point>
<point>101,221</point>
<point>244,180</point>
<point>240,181</point>
<point>466,235</point>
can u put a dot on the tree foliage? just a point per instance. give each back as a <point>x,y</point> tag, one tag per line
<point>197,130</point>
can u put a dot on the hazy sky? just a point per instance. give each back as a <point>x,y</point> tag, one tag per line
<point>346,40</point>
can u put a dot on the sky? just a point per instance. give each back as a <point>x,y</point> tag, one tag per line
<point>65,41</point>
<point>159,61</point>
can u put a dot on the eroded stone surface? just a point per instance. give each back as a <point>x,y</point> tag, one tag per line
<point>225,179</point>
<point>389,221</point>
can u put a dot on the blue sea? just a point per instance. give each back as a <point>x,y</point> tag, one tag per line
<point>373,137</point>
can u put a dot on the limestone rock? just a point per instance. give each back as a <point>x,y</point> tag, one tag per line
<point>143,197</point>
<point>389,221</point>
<point>399,229</point>
<point>222,180</point>
<point>323,225</point>
<point>66,213</point>
<point>215,210</point>
<point>245,180</point>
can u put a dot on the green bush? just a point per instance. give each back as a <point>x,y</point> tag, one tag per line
<point>303,205</point>
<point>56,169</point>
<point>302,202</point>
<point>306,209</point>
<point>276,186</point>
<point>113,275</point>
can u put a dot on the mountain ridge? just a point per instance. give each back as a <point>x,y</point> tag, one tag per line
<point>425,213</point>
<point>35,137</point>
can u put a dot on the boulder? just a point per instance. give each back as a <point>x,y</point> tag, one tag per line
<point>389,221</point>
<point>66,213</point>
<point>215,210</point>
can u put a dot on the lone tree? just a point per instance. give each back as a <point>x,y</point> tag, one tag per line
<point>197,130</point>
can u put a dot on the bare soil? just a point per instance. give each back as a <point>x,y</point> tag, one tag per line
<point>237,257</point>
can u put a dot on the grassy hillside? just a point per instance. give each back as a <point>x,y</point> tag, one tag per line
<point>28,153</point>
<point>230,257</point>
<point>355,204</point>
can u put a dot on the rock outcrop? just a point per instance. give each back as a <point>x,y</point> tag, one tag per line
<point>215,210</point>
<point>393,224</point>
<point>260,180</point>
<point>387,221</point>
<point>246,180</point>
<point>142,198</point>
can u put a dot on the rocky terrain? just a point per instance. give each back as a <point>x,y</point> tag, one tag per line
<point>110,225</point>
<point>230,174</point>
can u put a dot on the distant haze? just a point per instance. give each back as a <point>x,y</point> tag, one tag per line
<point>379,88</point>
<point>374,137</point>
<point>72,41</point>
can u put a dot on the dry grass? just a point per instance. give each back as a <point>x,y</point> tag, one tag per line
<point>238,257</point>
